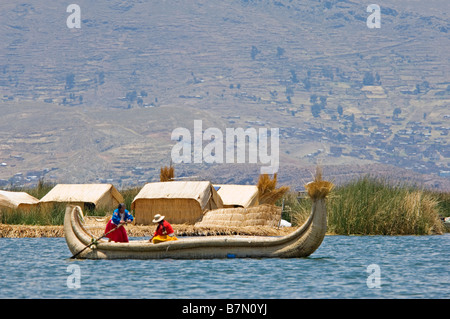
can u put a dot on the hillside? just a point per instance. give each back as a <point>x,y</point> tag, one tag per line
<point>99,103</point>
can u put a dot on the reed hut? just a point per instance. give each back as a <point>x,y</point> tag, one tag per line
<point>261,215</point>
<point>17,200</point>
<point>88,196</point>
<point>180,201</point>
<point>238,195</point>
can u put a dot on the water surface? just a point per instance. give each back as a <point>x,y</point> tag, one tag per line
<point>342,267</point>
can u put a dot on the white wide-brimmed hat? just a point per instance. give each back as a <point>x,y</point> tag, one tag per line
<point>158,218</point>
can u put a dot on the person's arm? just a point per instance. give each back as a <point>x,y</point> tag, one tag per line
<point>157,231</point>
<point>169,230</point>
<point>129,217</point>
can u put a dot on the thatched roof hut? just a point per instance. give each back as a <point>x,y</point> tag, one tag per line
<point>180,201</point>
<point>17,200</point>
<point>261,215</point>
<point>88,196</point>
<point>238,195</point>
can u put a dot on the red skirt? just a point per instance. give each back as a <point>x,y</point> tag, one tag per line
<point>119,235</point>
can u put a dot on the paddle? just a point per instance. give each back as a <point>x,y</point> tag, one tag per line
<point>96,240</point>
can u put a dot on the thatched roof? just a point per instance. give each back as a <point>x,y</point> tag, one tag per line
<point>202,192</point>
<point>238,195</point>
<point>16,199</point>
<point>101,195</point>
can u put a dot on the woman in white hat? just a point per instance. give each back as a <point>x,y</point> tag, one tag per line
<point>164,231</point>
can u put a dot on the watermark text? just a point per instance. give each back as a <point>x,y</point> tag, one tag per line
<point>251,142</point>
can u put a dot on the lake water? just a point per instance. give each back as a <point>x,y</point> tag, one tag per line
<point>342,267</point>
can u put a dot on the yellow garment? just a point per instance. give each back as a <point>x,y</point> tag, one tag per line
<point>162,238</point>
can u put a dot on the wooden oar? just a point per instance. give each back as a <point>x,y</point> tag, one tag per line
<point>96,240</point>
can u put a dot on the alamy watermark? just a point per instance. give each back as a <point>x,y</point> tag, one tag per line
<point>189,147</point>
<point>374,20</point>
<point>374,278</point>
<point>74,19</point>
<point>74,279</point>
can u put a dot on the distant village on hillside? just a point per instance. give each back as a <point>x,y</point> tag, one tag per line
<point>368,137</point>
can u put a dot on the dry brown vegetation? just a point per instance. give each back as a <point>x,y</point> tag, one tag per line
<point>21,231</point>
<point>261,215</point>
<point>318,188</point>
<point>167,174</point>
<point>268,193</point>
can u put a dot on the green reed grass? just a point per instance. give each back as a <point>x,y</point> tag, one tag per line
<point>34,216</point>
<point>373,206</point>
<point>129,194</point>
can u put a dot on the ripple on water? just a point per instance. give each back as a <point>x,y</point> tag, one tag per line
<point>410,267</point>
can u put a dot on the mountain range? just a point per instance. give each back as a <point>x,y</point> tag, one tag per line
<point>99,102</point>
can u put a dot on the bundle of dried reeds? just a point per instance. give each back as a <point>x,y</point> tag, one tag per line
<point>268,194</point>
<point>167,174</point>
<point>318,188</point>
<point>262,215</point>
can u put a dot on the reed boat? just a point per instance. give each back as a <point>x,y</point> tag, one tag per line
<point>302,242</point>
